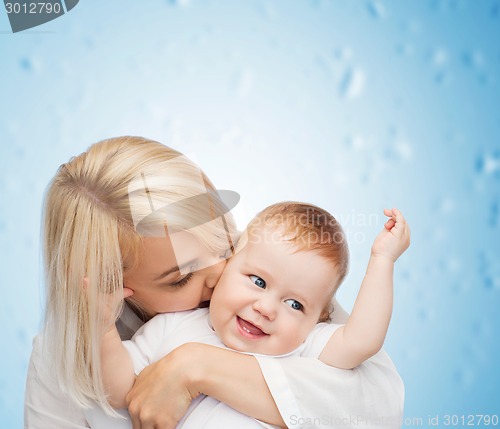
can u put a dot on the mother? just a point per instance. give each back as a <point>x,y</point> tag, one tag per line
<point>101,232</point>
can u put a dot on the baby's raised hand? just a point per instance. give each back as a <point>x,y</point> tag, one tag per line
<point>394,239</point>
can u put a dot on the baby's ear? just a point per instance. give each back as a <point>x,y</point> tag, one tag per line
<point>326,313</point>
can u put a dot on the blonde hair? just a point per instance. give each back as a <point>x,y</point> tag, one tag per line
<point>89,229</point>
<point>308,228</point>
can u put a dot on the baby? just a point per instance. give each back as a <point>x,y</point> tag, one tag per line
<point>272,297</point>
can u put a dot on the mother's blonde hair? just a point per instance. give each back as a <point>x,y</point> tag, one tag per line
<point>89,230</point>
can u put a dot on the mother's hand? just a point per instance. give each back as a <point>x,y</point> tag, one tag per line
<point>162,392</point>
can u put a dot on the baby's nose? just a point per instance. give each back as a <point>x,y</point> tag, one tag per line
<point>266,308</point>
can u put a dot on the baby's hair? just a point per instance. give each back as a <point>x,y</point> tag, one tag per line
<point>309,228</point>
<point>92,213</point>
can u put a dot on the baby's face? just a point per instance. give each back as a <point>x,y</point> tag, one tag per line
<point>270,296</point>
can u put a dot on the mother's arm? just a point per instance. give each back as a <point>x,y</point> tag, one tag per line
<point>311,394</point>
<point>164,389</point>
<point>291,392</point>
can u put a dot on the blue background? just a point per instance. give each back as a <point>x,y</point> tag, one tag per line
<point>351,105</point>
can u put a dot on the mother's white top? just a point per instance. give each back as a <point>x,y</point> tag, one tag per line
<point>308,393</point>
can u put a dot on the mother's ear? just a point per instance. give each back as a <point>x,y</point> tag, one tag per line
<point>127,292</point>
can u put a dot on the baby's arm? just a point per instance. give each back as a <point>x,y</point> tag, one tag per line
<point>364,333</point>
<point>116,364</point>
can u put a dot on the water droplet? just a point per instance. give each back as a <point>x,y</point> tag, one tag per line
<point>376,9</point>
<point>495,10</point>
<point>404,49</point>
<point>353,84</point>
<point>445,205</point>
<point>405,275</point>
<point>488,272</point>
<point>323,64</point>
<point>21,336</point>
<point>89,42</point>
<point>413,353</point>
<point>245,84</point>
<point>457,287</point>
<point>494,214</point>
<point>488,282</point>
<point>496,282</point>
<point>453,265</point>
<point>488,163</point>
<point>445,5</point>
<point>484,78</point>
<point>266,10</point>
<point>464,376</point>
<point>439,233</point>
<point>423,315</point>
<point>404,150</point>
<point>181,3</point>
<point>26,64</point>
<point>414,26</point>
<point>342,54</point>
<point>356,142</point>
<point>365,179</point>
<point>316,4</point>
<point>473,59</point>
<point>439,57</point>
<point>442,78</point>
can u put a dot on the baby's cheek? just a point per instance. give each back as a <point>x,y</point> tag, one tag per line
<point>293,341</point>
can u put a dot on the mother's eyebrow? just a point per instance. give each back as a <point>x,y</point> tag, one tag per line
<point>175,269</point>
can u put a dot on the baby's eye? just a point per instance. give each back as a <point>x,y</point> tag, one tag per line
<point>296,305</point>
<point>258,281</point>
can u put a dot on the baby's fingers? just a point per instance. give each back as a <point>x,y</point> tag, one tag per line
<point>401,229</point>
<point>400,220</point>
<point>389,224</point>
<point>397,223</point>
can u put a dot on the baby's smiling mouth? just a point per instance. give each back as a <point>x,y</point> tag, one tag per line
<point>248,329</point>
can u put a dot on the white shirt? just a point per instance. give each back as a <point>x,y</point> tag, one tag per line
<point>307,392</point>
<point>164,333</point>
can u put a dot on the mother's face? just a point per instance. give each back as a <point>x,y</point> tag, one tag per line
<point>166,280</point>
